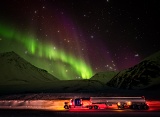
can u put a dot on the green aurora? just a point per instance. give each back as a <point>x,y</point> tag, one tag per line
<point>43,52</point>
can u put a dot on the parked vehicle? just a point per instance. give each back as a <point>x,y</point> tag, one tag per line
<point>121,102</point>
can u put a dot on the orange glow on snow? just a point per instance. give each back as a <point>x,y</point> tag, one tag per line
<point>58,105</point>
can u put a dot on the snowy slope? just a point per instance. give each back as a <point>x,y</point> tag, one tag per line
<point>18,74</point>
<point>14,68</point>
<point>104,77</point>
<point>70,86</point>
<point>146,74</point>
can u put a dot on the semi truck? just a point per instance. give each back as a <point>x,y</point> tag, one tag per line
<point>121,102</point>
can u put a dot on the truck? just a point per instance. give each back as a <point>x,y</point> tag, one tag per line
<point>121,102</point>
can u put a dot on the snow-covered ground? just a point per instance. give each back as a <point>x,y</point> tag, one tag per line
<point>58,105</point>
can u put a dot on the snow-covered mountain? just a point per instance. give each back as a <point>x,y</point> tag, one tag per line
<point>104,77</point>
<point>17,73</point>
<point>19,76</point>
<point>13,67</point>
<point>146,74</point>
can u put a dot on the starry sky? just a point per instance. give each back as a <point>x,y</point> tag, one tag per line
<point>74,39</point>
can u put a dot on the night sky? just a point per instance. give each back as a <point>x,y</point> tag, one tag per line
<point>74,39</point>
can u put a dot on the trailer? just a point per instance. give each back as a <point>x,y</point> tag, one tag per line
<point>121,102</point>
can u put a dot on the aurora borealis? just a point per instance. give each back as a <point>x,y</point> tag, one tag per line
<point>76,39</point>
<point>47,51</point>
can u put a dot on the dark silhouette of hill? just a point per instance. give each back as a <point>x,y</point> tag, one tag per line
<point>19,75</point>
<point>145,75</point>
<point>104,77</point>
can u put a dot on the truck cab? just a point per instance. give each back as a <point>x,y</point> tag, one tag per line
<point>76,102</point>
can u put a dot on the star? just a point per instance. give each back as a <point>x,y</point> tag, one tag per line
<point>92,36</point>
<point>26,52</point>
<point>35,11</point>
<point>136,55</point>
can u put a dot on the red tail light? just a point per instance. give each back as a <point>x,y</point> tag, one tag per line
<point>143,97</point>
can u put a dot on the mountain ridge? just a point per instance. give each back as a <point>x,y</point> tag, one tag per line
<point>19,76</point>
<point>143,75</point>
<point>12,65</point>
